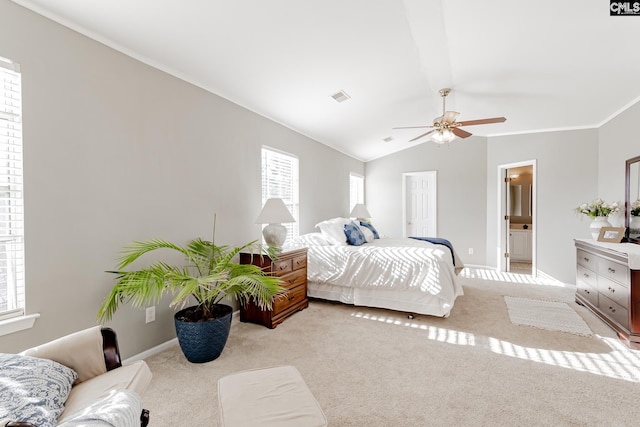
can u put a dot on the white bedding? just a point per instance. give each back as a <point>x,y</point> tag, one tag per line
<point>400,274</point>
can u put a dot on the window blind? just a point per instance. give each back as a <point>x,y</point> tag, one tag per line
<point>356,189</point>
<point>12,299</point>
<point>280,180</point>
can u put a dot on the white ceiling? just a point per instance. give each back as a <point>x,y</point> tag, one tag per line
<point>544,65</point>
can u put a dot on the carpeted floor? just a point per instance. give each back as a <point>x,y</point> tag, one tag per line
<point>371,367</point>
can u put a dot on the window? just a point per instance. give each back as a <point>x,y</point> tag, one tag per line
<point>356,189</point>
<point>12,301</point>
<point>280,179</point>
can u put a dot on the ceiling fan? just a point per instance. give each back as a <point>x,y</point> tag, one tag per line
<point>445,128</point>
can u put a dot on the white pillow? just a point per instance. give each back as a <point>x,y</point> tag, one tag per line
<point>310,239</point>
<point>368,234</point>
<point>333,230</point>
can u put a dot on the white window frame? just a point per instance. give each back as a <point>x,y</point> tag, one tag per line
<point>285,187</point>
<point>12,279</point>
<point>356,189</point>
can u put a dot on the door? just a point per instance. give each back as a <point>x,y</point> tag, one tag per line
<point>507,221</point>
<point>517,210</point>
<point>420,204</point>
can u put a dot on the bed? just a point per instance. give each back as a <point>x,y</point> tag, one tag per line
<point>403,274</point>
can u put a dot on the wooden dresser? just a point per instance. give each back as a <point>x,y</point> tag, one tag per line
<point>608,287</point>
<point>291,267</point>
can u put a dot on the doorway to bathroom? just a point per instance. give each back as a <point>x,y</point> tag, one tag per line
<point>517,218</point>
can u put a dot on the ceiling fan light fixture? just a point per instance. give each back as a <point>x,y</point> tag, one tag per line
<point>443,136</point>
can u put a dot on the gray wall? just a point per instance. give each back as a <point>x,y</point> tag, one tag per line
<point>618,142</point>
<point>461,192</point>
<point>116,151</point>
<point>567,164</point>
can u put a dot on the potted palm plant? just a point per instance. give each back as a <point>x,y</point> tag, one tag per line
<point>208,275</point>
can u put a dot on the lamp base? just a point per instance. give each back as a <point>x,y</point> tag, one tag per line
<point>275,234</point>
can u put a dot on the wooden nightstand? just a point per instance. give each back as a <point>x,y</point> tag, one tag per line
<point>291,267</point>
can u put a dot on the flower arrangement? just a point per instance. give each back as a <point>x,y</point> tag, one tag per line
<point>635,208</point>
<point>599,208</point>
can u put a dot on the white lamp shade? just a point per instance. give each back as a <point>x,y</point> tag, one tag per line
<point>274,211</point>
<point>360,211</point>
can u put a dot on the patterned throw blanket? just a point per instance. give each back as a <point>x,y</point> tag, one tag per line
<point>438,241</point>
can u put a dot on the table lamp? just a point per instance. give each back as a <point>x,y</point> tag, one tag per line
<point>274,212</point>
<point>360,212</point>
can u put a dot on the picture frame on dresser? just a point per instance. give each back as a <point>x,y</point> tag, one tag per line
<point>611,234</point>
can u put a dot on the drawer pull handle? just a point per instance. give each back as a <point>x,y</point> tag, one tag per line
<point>292,280</point>
<point>586,259</point>
<point>587,291</point>
<point>611,270</point>
<point>585,275</point>
<point>611,309</point>
<point>611,290</point>
<point>292,298</point>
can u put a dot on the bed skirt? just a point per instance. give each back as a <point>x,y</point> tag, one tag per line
<point>400,300</point>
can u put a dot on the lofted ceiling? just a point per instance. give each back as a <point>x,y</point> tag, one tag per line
<point>544,65</point>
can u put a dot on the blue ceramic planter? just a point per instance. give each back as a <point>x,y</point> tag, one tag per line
<point>203,341</point>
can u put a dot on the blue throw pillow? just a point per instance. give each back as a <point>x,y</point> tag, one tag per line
<point>353,233</point>
<point>33,389</point>
<point>370,227</point>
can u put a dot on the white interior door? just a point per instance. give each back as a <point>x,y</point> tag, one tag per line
<point>420,204</point>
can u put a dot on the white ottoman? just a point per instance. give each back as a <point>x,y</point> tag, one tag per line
<point>268,397</point>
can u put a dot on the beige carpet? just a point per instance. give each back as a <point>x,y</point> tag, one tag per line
<point>370,367</point>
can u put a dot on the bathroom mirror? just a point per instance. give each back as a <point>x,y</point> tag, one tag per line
<point>632,184</point>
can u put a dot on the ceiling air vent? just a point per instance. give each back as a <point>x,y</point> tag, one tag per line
<point>340,96</point>
<point>388,139</point>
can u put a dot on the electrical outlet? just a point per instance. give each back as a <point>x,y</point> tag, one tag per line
<point>470,251</point>
<point>151,314</point>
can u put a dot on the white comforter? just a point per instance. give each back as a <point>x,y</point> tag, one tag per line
<point>398,264</point>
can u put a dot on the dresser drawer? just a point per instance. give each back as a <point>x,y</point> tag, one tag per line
<point>614,311</point>
<point>296,278</point>
<point>587,259</point>
<point>587,292</point>
<point>282,266</point>
<point>291,298</point>
<point>586,276</point>
<point>614,271</point>
<point>614,290</point>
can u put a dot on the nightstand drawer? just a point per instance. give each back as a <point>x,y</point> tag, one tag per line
<point>587,292</point>
<point>297,278</point>
<point>291,298</point>
<point>300,262</point>
<point>281,267</point>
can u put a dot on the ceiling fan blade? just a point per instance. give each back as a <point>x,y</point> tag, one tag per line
<point>449,117</point>
<point>420,136</point>
<point>412,127</point>
<point>460,132</point>
<point>481,121</point>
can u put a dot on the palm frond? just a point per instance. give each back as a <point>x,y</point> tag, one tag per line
<point>135,250</point>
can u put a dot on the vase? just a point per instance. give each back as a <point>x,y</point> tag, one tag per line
<point>597,223</point>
